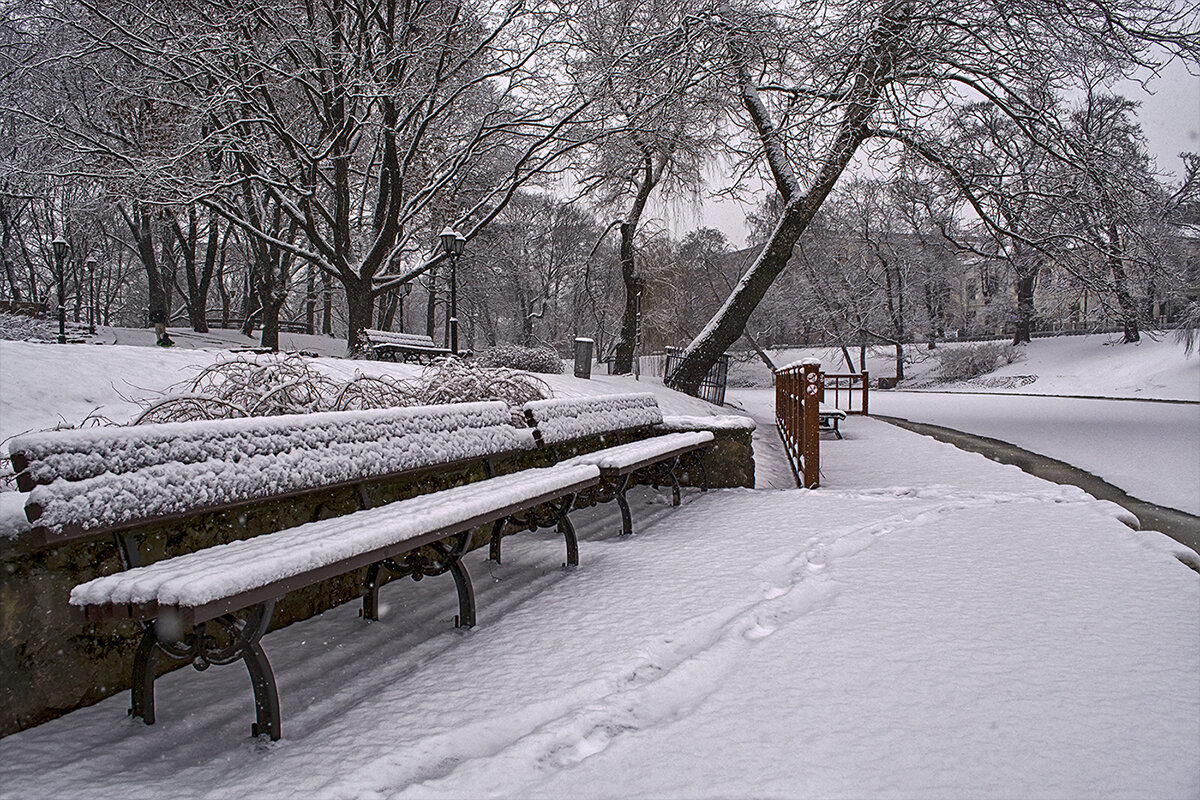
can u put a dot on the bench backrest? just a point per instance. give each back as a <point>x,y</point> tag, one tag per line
<point>565,419</point>
<point>402,339</point>
<point>86,481</point>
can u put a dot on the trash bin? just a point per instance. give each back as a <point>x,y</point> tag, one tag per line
<point>583,357</point>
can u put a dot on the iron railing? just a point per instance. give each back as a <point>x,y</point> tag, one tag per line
<point>712,385</point>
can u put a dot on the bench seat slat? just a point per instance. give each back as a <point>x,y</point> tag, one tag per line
<point>207,583</point>
<point>644,452</point>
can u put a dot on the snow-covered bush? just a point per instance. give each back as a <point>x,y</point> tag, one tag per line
<point>973,360</point>
<point>22,328</point>
<point>272,385</point>
<point>529,359</point>
<point>457,380</point>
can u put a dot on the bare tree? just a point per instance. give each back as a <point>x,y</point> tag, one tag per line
<point>644,63</point>
<point>896,71</point>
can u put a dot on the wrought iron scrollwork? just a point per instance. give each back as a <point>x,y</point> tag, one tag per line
<point>434,559</point>
<point>220,641</point>
<point>543,516</point>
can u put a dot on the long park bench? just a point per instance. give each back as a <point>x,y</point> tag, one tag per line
<point>212,606</point>
<point>402,347</point>
<point>558,425</point>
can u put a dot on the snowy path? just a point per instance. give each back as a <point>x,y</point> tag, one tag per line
<point>937,625</point>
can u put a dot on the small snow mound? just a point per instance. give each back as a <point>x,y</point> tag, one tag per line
<point>1161,543</point>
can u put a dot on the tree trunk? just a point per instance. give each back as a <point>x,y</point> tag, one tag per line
<point>1129,311</point>
<point>623,356</point>
<point>310,301</point>
<point>730,321</point>
<point>798,210</point>
<point>360,306</point>
<point>1024,322</point>
<point>327,305</point>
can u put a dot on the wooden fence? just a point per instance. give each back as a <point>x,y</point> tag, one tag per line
<point>849,391</point>
<point>798,391</point>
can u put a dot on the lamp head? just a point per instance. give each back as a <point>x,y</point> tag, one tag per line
<point>61,248</point>
<point>447,237</point>
<point>460,242</point>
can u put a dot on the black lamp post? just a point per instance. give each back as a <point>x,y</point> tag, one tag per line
<point>453,243</point>
<point>91,270</point>
<point>61,249</point>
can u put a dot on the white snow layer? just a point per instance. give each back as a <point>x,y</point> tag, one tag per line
<point>623,456</point>
<point>157,470</point>
<point>566,418</point>
<point>691,423</point>
<point>950,628</point>
<point>198,578</point>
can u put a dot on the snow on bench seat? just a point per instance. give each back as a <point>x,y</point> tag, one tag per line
<point>403,339</point>
<point>105,478</point>
<point>564,419</point>
<point>723,422</point>
<point>211,582</point>
<point>831,413</point>
<point>637,455</point>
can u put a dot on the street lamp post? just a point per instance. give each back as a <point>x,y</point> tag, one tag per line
<point>453,243</point>
<point>91,270</point>
<point>61,249</point>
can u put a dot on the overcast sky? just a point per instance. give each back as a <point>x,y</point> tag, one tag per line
<point>1170,117</point>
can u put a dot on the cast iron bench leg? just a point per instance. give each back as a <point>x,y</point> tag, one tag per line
<point>623,504</point>
<point>266,695</point>
<point>145,661</point>
<point>567,529</point>
<point>417,564</point>
<point>497,535</point>
<point>203,651</point>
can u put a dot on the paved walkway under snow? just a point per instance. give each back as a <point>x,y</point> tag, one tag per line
<point>931,624</point>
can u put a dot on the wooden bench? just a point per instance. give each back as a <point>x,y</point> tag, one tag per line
<point>213,606</point>
<point>402,347</point>
<point>558,423</point>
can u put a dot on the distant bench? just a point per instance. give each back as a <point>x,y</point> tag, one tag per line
<point>402,347</point>
<point>828,420</point>
<point>212,606</point>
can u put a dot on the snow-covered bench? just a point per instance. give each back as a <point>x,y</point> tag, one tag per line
<point>212,606</point>
<point>402,347</point>
<point>563,421</point>
<point>829,418</point>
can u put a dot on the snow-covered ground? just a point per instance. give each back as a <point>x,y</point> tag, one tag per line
<point>929,624</point>
<point>1096,366</point>
<point>953,628</point>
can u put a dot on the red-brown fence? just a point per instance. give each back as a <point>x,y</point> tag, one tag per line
<point>849,391</point>
<point>798,393</point>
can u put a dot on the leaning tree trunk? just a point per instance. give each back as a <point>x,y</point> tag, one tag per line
<point>730,321</point>
<point>798,211</point>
